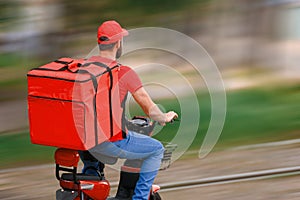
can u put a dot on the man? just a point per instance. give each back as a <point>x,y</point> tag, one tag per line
<point>127,144</point>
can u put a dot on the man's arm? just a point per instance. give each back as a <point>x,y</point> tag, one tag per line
<point>151,109</point>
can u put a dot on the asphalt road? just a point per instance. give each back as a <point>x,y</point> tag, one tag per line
<point>39,182</point>
<point>284,188</point>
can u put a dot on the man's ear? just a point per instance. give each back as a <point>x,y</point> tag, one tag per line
<point>118,45</point>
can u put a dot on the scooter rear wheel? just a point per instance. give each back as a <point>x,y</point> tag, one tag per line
<point>155,196</point>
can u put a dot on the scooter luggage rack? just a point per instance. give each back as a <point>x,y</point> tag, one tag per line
<point>166,161</point>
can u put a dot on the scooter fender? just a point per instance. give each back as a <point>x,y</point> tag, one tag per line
<point>97,190</point>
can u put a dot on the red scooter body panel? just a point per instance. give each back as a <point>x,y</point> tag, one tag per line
<point>100,190</point>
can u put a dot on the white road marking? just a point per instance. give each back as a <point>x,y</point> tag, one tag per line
<point>268,144</point>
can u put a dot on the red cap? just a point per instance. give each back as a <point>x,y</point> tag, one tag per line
<point>110,32</point>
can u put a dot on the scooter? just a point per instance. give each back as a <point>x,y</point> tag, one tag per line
<point>82,186</point>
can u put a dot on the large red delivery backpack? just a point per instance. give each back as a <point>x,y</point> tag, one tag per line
<point>71,104</point>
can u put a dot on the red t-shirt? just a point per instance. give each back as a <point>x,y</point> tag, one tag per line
<point>128,81</point>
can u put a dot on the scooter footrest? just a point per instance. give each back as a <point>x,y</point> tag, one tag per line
<point>80,177</point>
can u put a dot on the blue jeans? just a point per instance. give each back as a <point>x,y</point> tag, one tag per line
<point>135,146</point>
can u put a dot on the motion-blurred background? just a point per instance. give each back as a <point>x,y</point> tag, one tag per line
<point>254,43</point>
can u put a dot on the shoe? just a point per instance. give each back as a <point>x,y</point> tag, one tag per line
<point>127,184</point>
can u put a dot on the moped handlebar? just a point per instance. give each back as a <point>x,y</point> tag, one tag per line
<point>143,125</point>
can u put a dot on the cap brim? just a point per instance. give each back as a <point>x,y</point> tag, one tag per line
<point>124,32</point>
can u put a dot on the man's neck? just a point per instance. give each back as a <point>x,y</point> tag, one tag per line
<point>107,54</point>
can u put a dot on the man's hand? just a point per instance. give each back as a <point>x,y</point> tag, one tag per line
<point>169,116</point>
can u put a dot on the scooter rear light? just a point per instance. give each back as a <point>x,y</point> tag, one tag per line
<point>155,188</point>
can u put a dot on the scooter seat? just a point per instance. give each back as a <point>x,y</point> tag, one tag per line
<point>80,177</point>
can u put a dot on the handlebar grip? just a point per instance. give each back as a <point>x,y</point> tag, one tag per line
<point>174,120</point>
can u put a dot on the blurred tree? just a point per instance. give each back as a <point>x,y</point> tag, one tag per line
<point>48,28</point>
<point>130,12</point>
<point>8,13</point>
<point>155,6</point>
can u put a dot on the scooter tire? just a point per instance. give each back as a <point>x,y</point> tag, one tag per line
<point>155,196</point>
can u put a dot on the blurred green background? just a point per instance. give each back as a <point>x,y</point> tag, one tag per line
<point>255,44</point>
